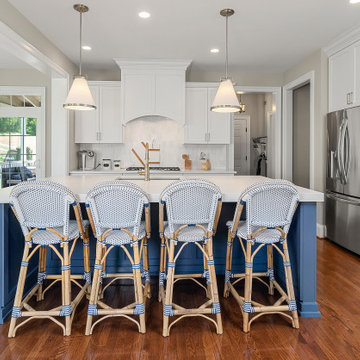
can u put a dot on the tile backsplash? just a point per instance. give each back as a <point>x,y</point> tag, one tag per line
<point>160,132</point>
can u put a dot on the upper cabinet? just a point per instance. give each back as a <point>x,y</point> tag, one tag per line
<point>203,126</point>
<point>344,78</point>
<point>102,125</point>
<point>152,88</point>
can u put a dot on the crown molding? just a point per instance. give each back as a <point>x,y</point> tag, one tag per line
<point>152,64</point>
<point>344,40</point>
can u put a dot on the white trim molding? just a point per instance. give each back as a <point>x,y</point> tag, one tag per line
<point>344,40</point>
<point>287,154</point>
<point>152,64</point>
<point>321,231</point>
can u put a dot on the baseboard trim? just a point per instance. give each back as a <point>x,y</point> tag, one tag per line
<point>321,230</point>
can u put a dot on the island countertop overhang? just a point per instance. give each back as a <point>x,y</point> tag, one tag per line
<point>231,186</point>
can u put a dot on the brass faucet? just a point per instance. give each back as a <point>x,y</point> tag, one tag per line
<point>146,164</point>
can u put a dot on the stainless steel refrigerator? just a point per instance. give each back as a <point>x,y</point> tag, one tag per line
<point>343,179</point>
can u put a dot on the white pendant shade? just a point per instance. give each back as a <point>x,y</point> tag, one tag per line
<point>226,100</point>
<point>79,97</point>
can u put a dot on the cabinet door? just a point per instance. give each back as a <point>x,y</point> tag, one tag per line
<point>139,97</point>
<point>110,117</point>
<point>356,98</point>
<point>341,79</point>
<point>170,95</point>
<point>196,116</point>
<point>218,123</point>
<point>87,122</point>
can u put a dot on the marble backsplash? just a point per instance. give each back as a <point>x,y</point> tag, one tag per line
<point>160,132</point>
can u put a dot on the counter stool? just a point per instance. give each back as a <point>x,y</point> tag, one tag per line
<point>115,210</point>
<point>270,206</point>
<point>193,209</point>
<point>43,211</point>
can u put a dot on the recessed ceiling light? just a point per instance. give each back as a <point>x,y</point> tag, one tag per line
<point>354,1</point>
<point>144,14</point>
<point>240,92</point>
<point>86,47</point>
<point>215,51</point>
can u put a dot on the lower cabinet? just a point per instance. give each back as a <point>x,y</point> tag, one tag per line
<point>203,126</point>
<point>102,125</point>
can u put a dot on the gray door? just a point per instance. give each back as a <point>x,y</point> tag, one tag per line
<point>342,221</point>
<point>334,176</point>
<point>350,154</point>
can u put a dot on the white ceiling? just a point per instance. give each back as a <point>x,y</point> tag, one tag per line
<point>9,61</point>
<point>265,36</point>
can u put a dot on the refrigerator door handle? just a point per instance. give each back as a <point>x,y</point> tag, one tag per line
<point>347,147</point>
<point>339,152</point>
<point>343,199</point>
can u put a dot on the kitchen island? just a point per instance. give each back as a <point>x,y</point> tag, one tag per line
<point>302,240</point>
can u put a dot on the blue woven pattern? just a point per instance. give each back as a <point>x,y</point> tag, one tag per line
<point>24,264</point>
<point>211,262</point>
<point>92,309</point>
<point>16,312</point>
<point>228,275</point>
<point>135,266</point>
<point>119,237</point>
<point>171,264</point>
<point>287,263</point>
<point>216,308</point>
<point>66,310</point>
<point>139,309</point>
<point>65,267</point>
<point>168,310</point>
<point>248,264</point>
<point>98,266</point>
<point>87,276</point>
<point>247,307</point>
<point>206,275</point>
<point>292,305</point>
<point>188,234</point>
<point>270,274</point>
<point>162,278</point>
<point>145,274</point>
<point>41,277</point>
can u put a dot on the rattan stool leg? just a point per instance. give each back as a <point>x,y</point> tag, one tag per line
<point>207,273</point>
<point>162,269</point>
<point>103,273</point>
<point>248,287</point>
<point>19,290</point>
<point>41,270</point>
<point>290,285</point>
<point>270,268</point>
<point>213,284</point>
<point>147,289</point>
<point>86,252</point>
<point>66,272</point>
<point>94,288</point>
<point>139,298</point>
<point>169,288</point>
<point>229,252</point>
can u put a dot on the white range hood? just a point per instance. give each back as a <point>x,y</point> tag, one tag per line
<point>153,87</point>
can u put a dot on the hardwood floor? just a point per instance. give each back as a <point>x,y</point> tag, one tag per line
<point>336,335</point>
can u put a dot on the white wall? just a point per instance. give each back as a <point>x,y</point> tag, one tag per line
<point>318,63</point>
<point>167,134</point>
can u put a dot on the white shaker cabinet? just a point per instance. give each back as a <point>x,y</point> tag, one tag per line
<point>102,125</point>
<point>203,126</point>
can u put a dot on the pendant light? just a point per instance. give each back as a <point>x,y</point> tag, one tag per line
<point>226,100</point>
<point>79,96</point>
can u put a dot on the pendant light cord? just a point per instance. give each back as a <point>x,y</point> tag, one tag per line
<point>226,50</point>
<point>80,44</point>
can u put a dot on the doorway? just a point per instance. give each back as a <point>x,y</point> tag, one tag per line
<point>301,136</point>
<point>242,144</point>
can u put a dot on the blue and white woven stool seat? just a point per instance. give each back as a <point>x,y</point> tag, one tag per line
<point>188,234</point>
<point>43,237</point>
<point>268,236</point>
<point>119,237</point>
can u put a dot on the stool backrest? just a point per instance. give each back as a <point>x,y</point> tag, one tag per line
<point>191,201</point>
<point>271,203</point>
<point>115,205</point>
<point>42,204</point>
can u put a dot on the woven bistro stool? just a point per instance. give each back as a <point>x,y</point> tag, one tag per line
<point>43,211</point>
<point>193,208</point>
<point>115,211</point>
<point>270,207</point>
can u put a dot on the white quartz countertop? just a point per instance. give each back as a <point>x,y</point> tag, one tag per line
<point>153,171</point>
<point>231,186</point>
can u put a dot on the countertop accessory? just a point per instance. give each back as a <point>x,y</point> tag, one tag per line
<point>193,210</point>
<point>79,96</point>
<point>42,205</point>
<point>187,162</point>
<point>117,164</point>
<point>147,162</point>
<point>270,206</point>
<point>86,160</point>
<point>106,164</point>
<point>226,100</point>
<point>204,161</point>
<point>115,209</point>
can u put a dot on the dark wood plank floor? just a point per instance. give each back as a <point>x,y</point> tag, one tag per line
<point>336,335</point>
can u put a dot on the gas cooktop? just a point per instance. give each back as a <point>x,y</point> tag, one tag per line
<point>160,168</point>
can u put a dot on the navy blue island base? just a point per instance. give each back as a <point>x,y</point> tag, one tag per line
<point>301,240</point>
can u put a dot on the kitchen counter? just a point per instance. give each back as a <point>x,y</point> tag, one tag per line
<point>301,240</point>
<point>154,172</point>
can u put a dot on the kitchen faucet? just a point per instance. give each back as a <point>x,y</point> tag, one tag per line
<point>147,162</point>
